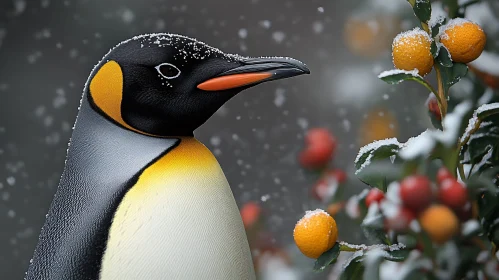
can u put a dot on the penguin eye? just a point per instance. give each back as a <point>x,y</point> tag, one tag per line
<point>168,70</point>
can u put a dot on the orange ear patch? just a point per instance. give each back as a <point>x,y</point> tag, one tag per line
<point>233,81</point>
<point>106,90</point>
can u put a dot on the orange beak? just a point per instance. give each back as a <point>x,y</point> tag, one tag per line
<point>233,81</point>
<point>255,71</point>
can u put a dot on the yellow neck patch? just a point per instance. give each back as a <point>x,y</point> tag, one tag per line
<point>190,160</point>
<point>106,89</point>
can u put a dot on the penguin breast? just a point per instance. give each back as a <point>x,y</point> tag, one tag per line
<point>179,221</point>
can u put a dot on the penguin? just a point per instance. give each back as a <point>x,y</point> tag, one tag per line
<point>140,197</point>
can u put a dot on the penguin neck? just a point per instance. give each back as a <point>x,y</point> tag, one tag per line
<point>88,105</point>
<point>121,122</point>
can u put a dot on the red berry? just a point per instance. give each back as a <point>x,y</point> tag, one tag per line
<point>340,175</point>
<point>319,150</point>
<point>320,135</point>
<point>416,192</point>
<point>432,104</point>
<point>250,213</point>
<point>453,194</point>
<point>374,195</point>
<point>443,174</point>
<point>401,220</point>
<point>315,156</point>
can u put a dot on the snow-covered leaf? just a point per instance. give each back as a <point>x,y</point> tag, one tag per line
<point>354,268</point>
<point>381,149</point>
<point>397,76</point>
<point>434,49</point>
<point>482,137</point>
<point>470,228</point>
<point>374,234</point>
<point>397,255</point>
<point>373,226</point>
<point>327,258</point>
<point>437,143</point>
<point>487,110</point>
<point>372,260</point>
<point>419,146</point>
<point>452,75</point>
<point>444,57</point>
<point>435,26</point>
<point>448,258</point>
<point>422,9</point>
<point>375,151</point>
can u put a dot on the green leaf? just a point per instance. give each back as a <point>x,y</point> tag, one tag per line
<point>397,255</point>
<point>478,183</point>
<point>422,9</point>
<point>451,6</point>
<point>396,76</point>
<point>382,149</point>
<point>444,57</point>
<point>380,174</point>
<point>354,269</point>
<point>435,29</point>
<point>376,151</point>
<point>487,110</point>
<point>372,260</point>
<point>487,208</point>
<point>434,49</point>
<point>375,234</point>
<point>452,75</point>
<point>468,256</point>
<point>448,155</point>
<point>494,235</point>
<point>327,258</point>
<point>482,147</point>
<point>481,142</point>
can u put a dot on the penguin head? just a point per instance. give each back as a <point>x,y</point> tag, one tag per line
<point>169,85</point>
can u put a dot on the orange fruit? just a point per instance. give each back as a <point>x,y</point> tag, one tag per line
<point>370,35</point>
<point>412,50</point>
<point>315,233</point>
<point>440,223</point>
<point>463,39</point>
<point>377,125</point>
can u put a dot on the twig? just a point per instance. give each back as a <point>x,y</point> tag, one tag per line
<point>460,168</point>
<point>441,93</point>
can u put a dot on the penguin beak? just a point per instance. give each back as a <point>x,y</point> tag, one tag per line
<point>255,71</point>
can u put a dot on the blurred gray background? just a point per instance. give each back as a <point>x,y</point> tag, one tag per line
<point>48,48</point>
